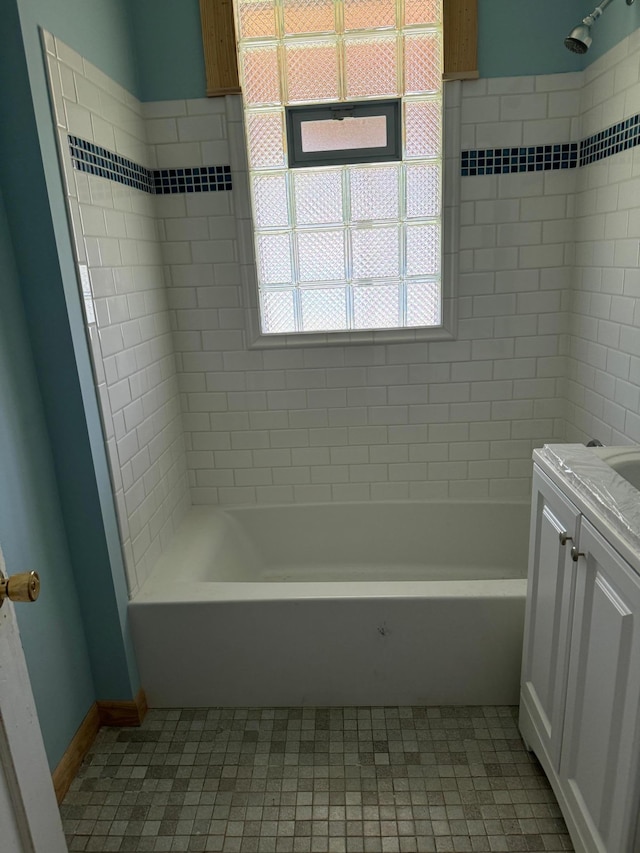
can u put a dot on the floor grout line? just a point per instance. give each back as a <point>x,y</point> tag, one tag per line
<point>315,780</point>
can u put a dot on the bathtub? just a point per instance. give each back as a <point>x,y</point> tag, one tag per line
<point>336,604</point>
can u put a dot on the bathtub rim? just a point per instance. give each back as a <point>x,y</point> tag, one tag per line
<point>203,592</point>
<point>164,584</point>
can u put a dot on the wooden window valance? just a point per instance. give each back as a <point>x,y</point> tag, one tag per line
<point>219,42</point>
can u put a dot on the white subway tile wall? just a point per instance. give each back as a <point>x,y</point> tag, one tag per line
<point>120,268</point>
<point>603,376</point>
<point>547,292</point>
<point>454,419</point>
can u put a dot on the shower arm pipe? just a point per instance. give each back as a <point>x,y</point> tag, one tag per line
<point>598,11</point>
<point>590,20</point>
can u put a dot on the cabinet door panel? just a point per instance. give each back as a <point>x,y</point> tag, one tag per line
<point>549,610</point>
<point>599,762</point>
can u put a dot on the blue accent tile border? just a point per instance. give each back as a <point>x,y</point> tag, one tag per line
<point>95,160</point>
<point>197,179</point>
<point>533,158</point>
<point>543,158</point>
<point>619,137</point>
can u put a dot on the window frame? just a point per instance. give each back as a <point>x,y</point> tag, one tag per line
<point>391,108</point>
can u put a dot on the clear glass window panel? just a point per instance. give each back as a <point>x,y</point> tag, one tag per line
<point>371,67</point>
<point>265,133</point>
<point>278,311</point>
<point>369,14</point>
<point>257,18</point>
<point>423,129</point>
<point>374,193</point>
<point>423,191</point>
<point>312,71</point>
<point>270,201</point>
<point>422,63</point>
<point>375,252</point>
<point>423,303</point>
<point>324,309</point>
<point>376,306</point>
<point>345,134</point>
<point>274,259</point>
<point>422,12</point>
<point>317,196</point>
<point>260,80</point>
<point>308,16</point>
<point>423,249</point>
<point>321,255</point>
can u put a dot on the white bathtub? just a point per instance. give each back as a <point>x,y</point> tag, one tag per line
<point>338,604</point>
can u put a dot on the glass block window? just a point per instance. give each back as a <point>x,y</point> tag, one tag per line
<point>344,246</point>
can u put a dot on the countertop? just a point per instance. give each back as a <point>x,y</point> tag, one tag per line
<point>605,498</point>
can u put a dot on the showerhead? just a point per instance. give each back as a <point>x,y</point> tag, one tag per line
<point>579,39</point>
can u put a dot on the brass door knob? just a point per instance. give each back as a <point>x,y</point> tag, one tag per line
<point>22,587</point>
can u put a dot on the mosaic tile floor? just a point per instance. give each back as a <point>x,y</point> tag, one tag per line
<point>338,780</point>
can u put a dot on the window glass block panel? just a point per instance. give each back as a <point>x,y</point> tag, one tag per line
<point>374,193</point>
<point>312,71</point>
<point>308,16</point>
<point>375,252</point>
<point>376,306</point>
<point>274,258</point>
<point>277,311</point>
<point>423,191</point>
<point>423,249</point>
<point>270,202</point>
<point>371,67</point>
<point>257,18</point>
<point>321,255</point>
<point>422,63</point>
<point>369,14</point>
<point>260,81</point>
<point>324,309</point>
<point>423,303</point>
<point>422,12</point>
<point>265,133</point>
<point>423,128</point>
<point>317,196</point>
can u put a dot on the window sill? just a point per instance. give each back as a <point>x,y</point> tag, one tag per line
<point>257,340</point>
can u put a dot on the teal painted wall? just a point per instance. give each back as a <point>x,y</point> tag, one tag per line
<point>37,226</point>
<point>168,43</point>
<point>516,38</point>
<point>32,531</point>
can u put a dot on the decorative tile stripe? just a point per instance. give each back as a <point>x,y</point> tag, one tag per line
<point>533,158</point>
<point>95,160</point>
<point>91,158</point>
<point>541,158</point>
<point>198,179</point>
<point>619,137</point>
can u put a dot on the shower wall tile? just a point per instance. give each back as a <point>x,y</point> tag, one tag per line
<point>603,376</point>
<point>121,276</point>
<point>417,420</point>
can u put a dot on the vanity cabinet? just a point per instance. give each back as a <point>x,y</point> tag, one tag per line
<point>580,698</point>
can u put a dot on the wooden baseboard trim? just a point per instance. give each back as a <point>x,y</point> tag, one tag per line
<point>99,714</point>
<point>123,713</point>
<point>69,764</point>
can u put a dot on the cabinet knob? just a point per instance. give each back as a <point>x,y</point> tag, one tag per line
<point>575,554</point>
<point>564,538</point>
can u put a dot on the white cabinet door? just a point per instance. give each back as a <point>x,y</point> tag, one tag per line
<point>554,526</point>
<point>601,744</point>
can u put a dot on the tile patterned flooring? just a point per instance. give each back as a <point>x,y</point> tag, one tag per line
<point>315,780</point>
